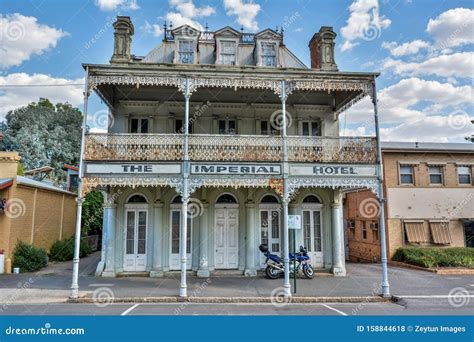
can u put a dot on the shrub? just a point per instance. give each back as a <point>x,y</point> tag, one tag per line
<point>63,250</point>
<point>436,256</point>
<point>29,258</point>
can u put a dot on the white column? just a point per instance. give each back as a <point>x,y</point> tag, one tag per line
<point>77,240</point>
<point>110,214</point>
<point>250,269</point>
<point>338,260</point>
<point>157,270</point>
<point>203,270</point>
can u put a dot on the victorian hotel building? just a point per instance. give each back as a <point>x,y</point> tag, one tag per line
<point>214,138</point>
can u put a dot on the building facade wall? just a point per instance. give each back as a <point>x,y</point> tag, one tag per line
<point>158,246</point>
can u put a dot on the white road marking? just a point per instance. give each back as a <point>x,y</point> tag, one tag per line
<point>334,309</point>
<point>99,285</point>
<point>126,312</point>
<point>432,296</point>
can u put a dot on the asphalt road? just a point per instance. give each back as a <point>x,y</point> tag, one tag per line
<point>408,306</point>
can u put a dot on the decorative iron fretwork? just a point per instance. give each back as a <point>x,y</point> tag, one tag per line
<point>334,183</point>
<point>229,148</point>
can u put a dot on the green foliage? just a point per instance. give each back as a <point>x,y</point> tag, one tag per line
<point>45,135</point>
<point>29,258</point>
<point>436,257</point>
<point>63,250</point>
<point>20,170</point>
<point>92,213</point>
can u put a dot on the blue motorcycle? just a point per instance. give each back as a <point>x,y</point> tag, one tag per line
<point>275,266</point>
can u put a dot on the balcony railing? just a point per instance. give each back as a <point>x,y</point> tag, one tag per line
<point>229,148</point>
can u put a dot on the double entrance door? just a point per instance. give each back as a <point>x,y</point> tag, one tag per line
<point>136,222</point>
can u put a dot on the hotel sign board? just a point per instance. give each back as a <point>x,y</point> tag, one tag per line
<point>132,168</point>
<point>332,170</point>
<point>235,169</point>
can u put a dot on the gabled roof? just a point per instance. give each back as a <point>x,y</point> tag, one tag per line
<point>227,29</point>
<point>268,34</point>
<point>187,29</point>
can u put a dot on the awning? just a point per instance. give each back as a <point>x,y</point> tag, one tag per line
<point>5,183</point>
<point>415,232</point>
<point>440,233</point>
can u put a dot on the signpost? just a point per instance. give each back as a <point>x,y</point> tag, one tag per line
<point>294,222</point>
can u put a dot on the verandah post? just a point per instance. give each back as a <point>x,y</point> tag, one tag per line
<point>185,195</point>
<point>80,199</point>
<point>383,241</point>
<point>286,248</point>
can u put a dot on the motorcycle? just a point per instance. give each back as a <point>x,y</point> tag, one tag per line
<point>275,266</point>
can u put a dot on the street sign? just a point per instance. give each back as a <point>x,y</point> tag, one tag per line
<point>294,221</point>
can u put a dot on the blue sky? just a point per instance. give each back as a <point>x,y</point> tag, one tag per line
<point>424,50</point>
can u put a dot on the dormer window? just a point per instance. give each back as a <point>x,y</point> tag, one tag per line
<point>228,52</point>
<point>185,52</point>
<point>269,54</point>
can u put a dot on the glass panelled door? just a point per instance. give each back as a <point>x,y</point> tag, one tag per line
<point>136,222</point>
<point>270,231</point>
<point>175,261</point>
<point>312,236</point>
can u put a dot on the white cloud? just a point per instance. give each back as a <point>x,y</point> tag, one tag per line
<point>408,48</point>
<point>154,29</point>
<point>184,12</point>
<point>23,37</point>
<point>400,102</point>
<point>245,13</point>
<point>458,64</point>
<point>112,5</point>
<point>364,23</point>
<point>11,98</point>
<point>429,129</point>
<point>452,28</point>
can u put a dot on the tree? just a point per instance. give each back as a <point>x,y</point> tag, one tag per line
<point>92,213</point>
<point>44,135</point>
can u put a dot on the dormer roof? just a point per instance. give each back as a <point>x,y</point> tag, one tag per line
<point>227,31</point>
<point>268,34</point>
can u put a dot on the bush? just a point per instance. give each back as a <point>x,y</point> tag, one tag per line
<point>436,257</point>
<point>29,258</point>
<point>63,250</point>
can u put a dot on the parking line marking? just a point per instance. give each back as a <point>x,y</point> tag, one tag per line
<point>334,309</point>
<point>126,312</point>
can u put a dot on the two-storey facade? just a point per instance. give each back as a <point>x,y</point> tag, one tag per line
<point>215,138</point>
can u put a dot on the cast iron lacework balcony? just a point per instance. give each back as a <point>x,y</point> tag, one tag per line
<point>229,148</point>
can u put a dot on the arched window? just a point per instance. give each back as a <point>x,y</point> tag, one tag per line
<point>226,198</point>
<point>311,199</point>
<point>137,199</point>
<point>269,199</point>
<point>177,200</point>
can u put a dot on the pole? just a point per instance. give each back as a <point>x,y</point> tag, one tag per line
<point>185,196</point>
<point>294,260</point>
<point>286,249</point>
<point>383,241</point>
<point>79,199</point>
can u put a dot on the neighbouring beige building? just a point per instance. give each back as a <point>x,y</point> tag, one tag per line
<point>31,211</point>
<point>429,200</point>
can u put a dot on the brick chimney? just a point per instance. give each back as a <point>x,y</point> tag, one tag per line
<point>122,40</point>
<point>321,47</point>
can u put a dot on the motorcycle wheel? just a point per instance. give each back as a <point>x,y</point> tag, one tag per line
<point>271,272</point>
<point>308,271</point>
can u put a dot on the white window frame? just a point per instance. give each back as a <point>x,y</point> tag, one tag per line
<point>469,174</point>
<point>139,128</point>
<point>222,53</point>
<point>310,123</point>
<point>400,166</point>
<point>227,129</point>
<point>263,53</point>
<point>441,173</point>
<point>192,52</point>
